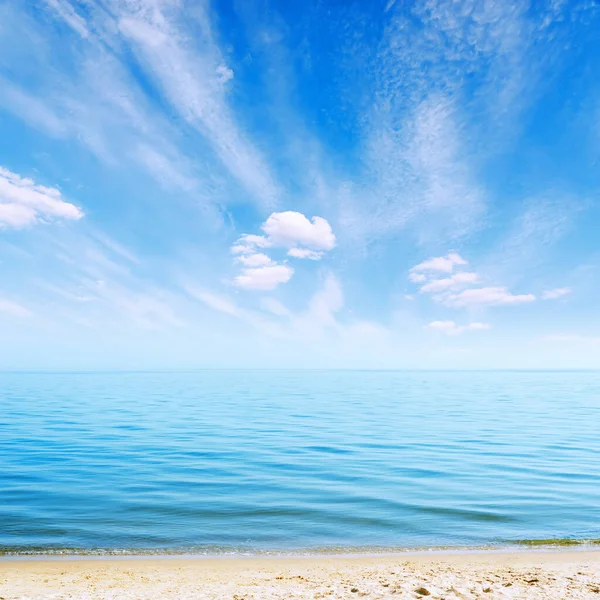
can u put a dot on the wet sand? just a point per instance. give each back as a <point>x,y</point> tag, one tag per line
<point>533,574</point>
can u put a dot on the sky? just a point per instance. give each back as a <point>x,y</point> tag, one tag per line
<point>299,184</point>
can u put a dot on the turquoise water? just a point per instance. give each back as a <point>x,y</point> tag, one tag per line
<point>254,461</point>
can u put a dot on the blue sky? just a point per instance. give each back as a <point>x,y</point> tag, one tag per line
<point>255,183</point>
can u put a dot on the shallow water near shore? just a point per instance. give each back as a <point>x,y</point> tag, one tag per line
<point>235,462</point>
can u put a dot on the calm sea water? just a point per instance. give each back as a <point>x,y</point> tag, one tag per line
<point>236,461</point>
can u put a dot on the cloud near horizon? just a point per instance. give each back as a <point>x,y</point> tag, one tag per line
<point>457,291</point>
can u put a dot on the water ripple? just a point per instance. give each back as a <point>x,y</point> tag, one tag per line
<point>275,461</point>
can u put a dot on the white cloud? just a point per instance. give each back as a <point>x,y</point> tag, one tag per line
<point>442,264</point>
<point>455,281</point>
<point>248,243</point>
<point>148,308</point>
<point>305,253</point>
<point>448,290</point>
<point>13,309</point>
<point>451,328</point>
<point>164,170</point>
<point>264,278</point>
<point>488,296</point>
<point>255,260</point>
<point>290,229</point>
<point>23,203</point>
<point>556,293</point>
<point>68,14</point>
<point>417,277</point>
<point>191,77</point>
<point>224,73</point>
<point>263,325</point>
<point>30,109</point>
<point>541,223</point>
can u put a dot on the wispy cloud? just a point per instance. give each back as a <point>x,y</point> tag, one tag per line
<point>91,95</point>
<point>538,226</point>
<point>192,80</point>
<point>419,179</point>
<point>214,301</point>
<point>556,293</point>
<point>14,309</point>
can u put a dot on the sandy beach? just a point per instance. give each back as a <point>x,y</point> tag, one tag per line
<point>533,574</point>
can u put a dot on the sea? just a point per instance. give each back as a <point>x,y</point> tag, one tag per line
<point>242,462</point>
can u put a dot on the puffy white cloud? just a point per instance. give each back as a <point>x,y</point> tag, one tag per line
<point>487,296</point>
<point>255,260</point>
<point>450,290</point>
<point>451,328</point>
<point>23,203</point>
<point>440,264</point>
<point>304,239</point>
<point>455,281</point>
<point>556,293</point>
<point>264,278</point>
<point>290,229</point>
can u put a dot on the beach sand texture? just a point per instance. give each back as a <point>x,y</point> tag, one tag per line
<point>553,575</point>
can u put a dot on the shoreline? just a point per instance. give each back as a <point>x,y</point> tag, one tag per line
<point>399,554</point>
<point>550,573</point>
<point>559,546</point>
